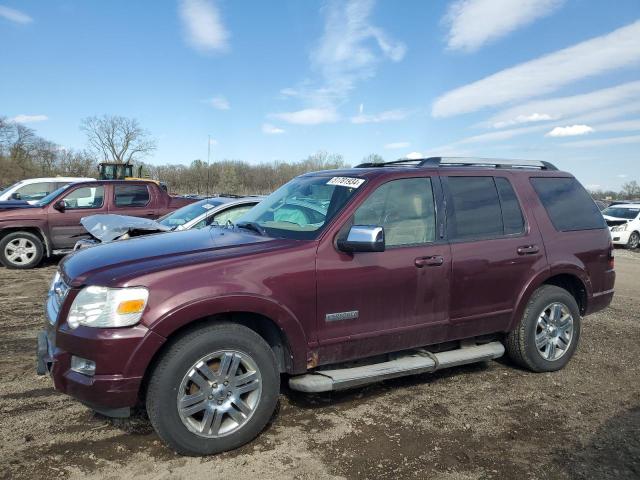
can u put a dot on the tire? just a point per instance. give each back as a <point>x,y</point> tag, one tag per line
<point>539,342</point>
<point>21,250</point>
<point>634,241</point>
<point>186,367</point>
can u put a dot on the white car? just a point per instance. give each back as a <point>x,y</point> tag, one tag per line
<point>33,189</point>
<point>624,224</point>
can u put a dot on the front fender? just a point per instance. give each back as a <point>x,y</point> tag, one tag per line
<point>286,321</point>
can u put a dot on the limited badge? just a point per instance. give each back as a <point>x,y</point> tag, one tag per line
<point>346,182</point>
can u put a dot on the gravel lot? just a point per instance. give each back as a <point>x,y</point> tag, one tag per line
<point>476,422</point>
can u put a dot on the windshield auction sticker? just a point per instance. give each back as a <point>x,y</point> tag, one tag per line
<point>207,206</point>
<point>346,182</point>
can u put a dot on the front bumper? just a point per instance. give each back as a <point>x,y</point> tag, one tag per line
<point>121,356</point>
<point>620,238</point>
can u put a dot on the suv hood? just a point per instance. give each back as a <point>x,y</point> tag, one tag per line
<point>116,261</point>
<point>15,204</point>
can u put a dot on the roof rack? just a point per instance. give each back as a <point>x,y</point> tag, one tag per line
<point>462,162</point>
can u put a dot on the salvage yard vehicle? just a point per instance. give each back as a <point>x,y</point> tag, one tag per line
<point>624,222</point>
<point>52,226</point>
<point>105,228</point>
<point>413,266</point>
<point>33,189</point>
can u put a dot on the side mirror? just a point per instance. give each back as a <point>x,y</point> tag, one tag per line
<point>59,205</point>
<point>363,238</point>
<point>16,196</point>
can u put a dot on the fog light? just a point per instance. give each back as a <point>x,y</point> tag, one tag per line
<point>82,365</point>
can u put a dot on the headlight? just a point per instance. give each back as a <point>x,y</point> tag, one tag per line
<point>103,307</point>
<point>620,228</point>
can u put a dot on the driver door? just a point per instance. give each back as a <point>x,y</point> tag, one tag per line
<point>376,302</point>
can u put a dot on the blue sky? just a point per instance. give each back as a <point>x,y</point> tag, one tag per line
<point>556,80</point>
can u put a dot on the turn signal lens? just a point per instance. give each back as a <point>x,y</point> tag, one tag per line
<point>131,306</point>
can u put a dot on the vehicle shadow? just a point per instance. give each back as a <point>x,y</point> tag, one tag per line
<point>612,453</point>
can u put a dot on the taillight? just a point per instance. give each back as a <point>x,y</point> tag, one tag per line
<point>611,258</point>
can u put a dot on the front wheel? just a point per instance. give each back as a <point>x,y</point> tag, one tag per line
<point>213,390</point>
<point>548,334</point>
<point>21,250</point>
<point>634,241</point>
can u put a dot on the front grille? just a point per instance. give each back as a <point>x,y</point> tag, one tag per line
<point>57,294</point>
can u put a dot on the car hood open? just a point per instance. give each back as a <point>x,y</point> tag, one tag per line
<point>108,227</point>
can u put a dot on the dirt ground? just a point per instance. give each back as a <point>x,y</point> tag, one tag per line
<point>488,421</point>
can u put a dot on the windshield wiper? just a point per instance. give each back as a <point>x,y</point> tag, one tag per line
<point>254,226</point>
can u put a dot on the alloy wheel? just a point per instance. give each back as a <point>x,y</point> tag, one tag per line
<point>20,251</point>
<point>554,331</point>
<point>219,393</point>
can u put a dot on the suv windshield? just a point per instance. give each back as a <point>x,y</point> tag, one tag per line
<point>49,198</point>
<point>618,212</point>
<point>188,213</point>
<point>301,208</point>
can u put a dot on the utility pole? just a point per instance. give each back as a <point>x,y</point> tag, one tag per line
<point>208,163</point>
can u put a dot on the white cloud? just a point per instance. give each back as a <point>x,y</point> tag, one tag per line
<point>203,26</point>
<point>219,103</point>
<point>387,116</point>
<point>561,107</point>
<point>616,50</point>
<point>308,116</point>
<point>272,129</point>
<point>414,155</point>
<point>570,131</point>
<point>14,15</point>
<point>395,145</point>
<point>473,23</point>
<point>349,51</point>
<point>622,175</point>
<point>604,142</point>
<point>28,118</point>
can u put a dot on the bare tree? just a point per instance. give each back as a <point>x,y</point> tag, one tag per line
<point>117,139</point>
<point>631,189</point>
<point>373,158</point>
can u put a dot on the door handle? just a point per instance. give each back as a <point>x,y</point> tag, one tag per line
<point>433,261</point>
<point>528,249</point>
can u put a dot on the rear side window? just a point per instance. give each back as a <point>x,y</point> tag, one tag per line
<point>511,212</point>
<point>131,195</point>
<point>569,205</point>
<point>474,208</point>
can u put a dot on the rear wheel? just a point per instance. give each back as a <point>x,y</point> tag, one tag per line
<point>213,390</point>
<point>21,250</point>
<point>634,241</point>
<point>548,334</point>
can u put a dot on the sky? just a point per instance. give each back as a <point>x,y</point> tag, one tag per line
<point>555,80</point>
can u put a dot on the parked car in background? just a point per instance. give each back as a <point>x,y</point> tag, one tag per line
<point>624,223</point>
<point>32,190</point>
<point>107,227</point>
<point>52,226</point>
<point>379,282</point>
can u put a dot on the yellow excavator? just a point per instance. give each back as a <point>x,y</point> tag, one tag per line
<point>123,171</point>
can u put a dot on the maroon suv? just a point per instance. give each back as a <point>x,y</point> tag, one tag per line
<point>406,267</point>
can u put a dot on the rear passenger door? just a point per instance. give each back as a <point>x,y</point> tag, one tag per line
<point>494,249</point>
<point>133,199</point>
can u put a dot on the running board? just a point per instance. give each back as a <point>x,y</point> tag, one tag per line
<point>412,363</point>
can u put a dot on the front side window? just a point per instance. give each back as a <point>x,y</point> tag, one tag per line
<point>131,195</point>
<point>35,191</point>
<point>404,208</point>
<point>569,205</point>
<point>84,197</point>
<point>301,208</point>
<point>229,215</point>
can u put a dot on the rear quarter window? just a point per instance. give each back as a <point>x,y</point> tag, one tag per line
<point>569,205</point>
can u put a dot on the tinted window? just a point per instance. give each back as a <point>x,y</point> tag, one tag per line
<point>405,208</point>
<point>568,204</point>
<point>85,197</point>
<point>474,209</point>
<point>131,195</point>
<point>511,212</point>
